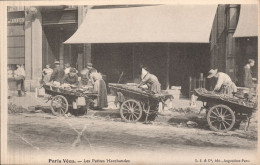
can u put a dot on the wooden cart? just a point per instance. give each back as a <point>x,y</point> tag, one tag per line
<point>224,112</point>
<point>62,99</point>
<point>138,103</point>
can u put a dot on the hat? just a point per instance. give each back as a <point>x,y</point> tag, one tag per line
<point>89,65</point>
<point>146,68</point>
<point>57,62</point>
<point>67,65</point>
<point>212,73</point>
<point>73,70</point>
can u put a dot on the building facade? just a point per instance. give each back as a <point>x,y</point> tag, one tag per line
<point>229,54</point>
<point>36,37</point>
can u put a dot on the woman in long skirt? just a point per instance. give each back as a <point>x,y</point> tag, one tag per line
<point>100,88</point>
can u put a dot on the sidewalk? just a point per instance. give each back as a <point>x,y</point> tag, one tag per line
<point>26,101</point>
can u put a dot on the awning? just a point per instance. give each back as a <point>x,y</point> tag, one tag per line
<point>162,23</point>
<point>247,23</point>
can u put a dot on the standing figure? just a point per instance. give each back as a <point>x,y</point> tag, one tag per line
<point>224,83</point>
<point>85,75</point>
<point>58,73</point>
<point>247,74</point>
<point>46,72</point>
<point>19,75</point>
<point>67,68</point>
<point>100,88</point>
<point>150,80</point>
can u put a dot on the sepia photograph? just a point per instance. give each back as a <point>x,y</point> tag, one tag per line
<point>119,83</point>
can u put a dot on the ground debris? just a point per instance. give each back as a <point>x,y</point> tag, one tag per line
<point>12,108</point>
<point>182,110</point>
<point>192,124</point>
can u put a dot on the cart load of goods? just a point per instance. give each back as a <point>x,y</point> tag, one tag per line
<point>128,86</point>
<point>133,87</point>
<point>236,99</point>
<point>69,89</point>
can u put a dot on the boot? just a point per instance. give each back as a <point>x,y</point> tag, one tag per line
<point>19,93</point>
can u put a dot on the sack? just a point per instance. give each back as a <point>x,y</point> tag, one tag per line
<point>18,77</point>
<point>74,105</point>
<point>81,101</point>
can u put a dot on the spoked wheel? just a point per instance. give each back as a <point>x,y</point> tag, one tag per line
<point>221,118</point>
<point>59,105</point>
<point>131,111</point>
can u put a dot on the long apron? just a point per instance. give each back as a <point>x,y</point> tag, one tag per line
<point>100,87</point>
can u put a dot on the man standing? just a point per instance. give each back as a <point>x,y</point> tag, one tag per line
<point>19,76</point>
<point>58,73</point>
<point>247,74</point>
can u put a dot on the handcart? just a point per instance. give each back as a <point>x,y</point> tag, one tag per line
<point>138,103</point>
<point>224,112</point>
<point>63,98</point>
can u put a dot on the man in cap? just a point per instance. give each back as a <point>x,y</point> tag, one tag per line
<point>224,82</point>
<point>247,74</point>
<point>58,73</point>
<point>71,78</point>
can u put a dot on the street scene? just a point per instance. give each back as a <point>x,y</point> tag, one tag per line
<point>132,84</point>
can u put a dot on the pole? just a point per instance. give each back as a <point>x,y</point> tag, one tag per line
<point>61,55</point>
<point>167,65</point>
<point>133,54</point>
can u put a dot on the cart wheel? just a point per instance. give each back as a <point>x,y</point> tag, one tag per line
<point>59,105</point>
<point>221,118</point>
<point>131,111</point>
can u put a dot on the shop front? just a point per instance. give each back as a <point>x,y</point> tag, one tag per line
<point>172,40</point>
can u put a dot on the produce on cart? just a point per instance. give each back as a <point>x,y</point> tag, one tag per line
<point>64,96</point>
<point>223,112</point>
<point>138,102</point>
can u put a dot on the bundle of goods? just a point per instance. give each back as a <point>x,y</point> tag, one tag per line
<point>236,100</point>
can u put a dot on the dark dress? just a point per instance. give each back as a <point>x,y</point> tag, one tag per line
<point>57,75</point>
<point>100,88</point>
<point>247,77</point>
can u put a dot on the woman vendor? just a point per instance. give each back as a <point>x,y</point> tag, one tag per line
<point>71,78</point>
<point>150,80</point>
<point>224,82</point>
<point>100,88</point>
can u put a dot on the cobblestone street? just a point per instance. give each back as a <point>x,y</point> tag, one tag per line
<point>104,132</point>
